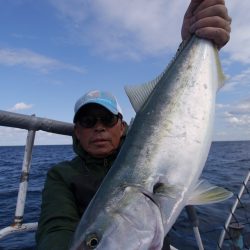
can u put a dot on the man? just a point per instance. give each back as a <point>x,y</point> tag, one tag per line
<point>98,135</point>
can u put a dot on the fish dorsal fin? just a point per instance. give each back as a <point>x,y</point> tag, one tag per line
<point>139,94</point>
<point>206,193</point>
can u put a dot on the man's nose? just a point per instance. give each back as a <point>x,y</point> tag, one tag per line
<point>99,126</point>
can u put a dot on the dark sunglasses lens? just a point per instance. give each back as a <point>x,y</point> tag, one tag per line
<point>109,120</point>
<point>90,121</point>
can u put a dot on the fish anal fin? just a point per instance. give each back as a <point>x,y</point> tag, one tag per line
<point>206,193</point>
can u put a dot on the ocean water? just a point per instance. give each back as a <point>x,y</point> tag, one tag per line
<point>227,165</point>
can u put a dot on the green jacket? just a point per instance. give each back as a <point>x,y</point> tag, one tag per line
<point>68,189</point>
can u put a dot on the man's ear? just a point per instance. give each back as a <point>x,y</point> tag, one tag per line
<point>124,127</point>
<point>77,131</point>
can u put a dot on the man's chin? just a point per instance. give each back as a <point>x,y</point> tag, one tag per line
<point>101,152</point>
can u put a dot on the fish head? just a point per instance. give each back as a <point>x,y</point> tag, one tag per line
<point>133,223</point>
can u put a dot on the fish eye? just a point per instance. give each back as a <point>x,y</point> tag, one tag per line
<point>92,241</point>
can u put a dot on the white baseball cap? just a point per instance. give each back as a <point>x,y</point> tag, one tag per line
<point>105,99</point>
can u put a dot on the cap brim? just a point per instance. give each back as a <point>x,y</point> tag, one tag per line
<point>109,108</point>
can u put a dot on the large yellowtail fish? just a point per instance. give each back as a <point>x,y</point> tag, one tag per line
<point>157,171</point>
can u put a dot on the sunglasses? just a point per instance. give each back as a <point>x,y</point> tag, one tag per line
<point>108,120</point>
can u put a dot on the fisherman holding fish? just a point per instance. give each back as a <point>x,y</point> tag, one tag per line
<point>99,134</point>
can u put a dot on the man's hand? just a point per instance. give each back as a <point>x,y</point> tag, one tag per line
<point>207,19</point>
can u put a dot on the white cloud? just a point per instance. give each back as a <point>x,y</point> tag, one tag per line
<point>233,120</point>
<point>125,28</point>
<point>238,119</point>
<point>15,136</point>
<point>134,29</point>
<point>75,10</point>
<point>21,106</point>
<point>237,114</point>
<point>222,106</point>
<point>12,136</point>
<point>145,21</point>
<point>241,79</point>
<point>240,35</point>
<point>23,36</point>
<point>46,138</point>
<point>30,59</point>
<point>242,108</point>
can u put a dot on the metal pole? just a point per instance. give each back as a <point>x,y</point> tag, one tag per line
<point>18,228</point>
<point>223,233</point>
<point>195,222</point>
<point>23,186</point>
<point>28,122</point>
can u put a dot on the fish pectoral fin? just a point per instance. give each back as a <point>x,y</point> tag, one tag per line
<point>206,193</point>
<point>139,94</point>
<point>161,189</point>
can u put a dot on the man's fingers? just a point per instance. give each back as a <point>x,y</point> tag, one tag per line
<point>219,36</point>
<point>216,10</point>
<point>216,21</point>
<point>206,4</point>
<point>207,19</point>
<point>192,6</point>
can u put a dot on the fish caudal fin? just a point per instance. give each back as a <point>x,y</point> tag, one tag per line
<point>221,75</point>
<point>206,193</point>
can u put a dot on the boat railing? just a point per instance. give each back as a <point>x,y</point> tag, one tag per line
<point>230,224</point>
<point>31,124</point>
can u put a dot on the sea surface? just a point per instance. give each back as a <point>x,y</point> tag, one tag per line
<point>227,166</point>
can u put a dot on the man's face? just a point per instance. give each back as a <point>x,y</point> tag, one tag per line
<point>99,140</point>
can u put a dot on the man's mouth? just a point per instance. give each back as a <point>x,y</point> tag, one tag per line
<point>100,140</point>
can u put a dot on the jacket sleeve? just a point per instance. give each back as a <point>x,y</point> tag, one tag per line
<point>59,212</point>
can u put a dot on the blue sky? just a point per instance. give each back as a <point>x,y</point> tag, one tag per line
<point>53,51</point>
